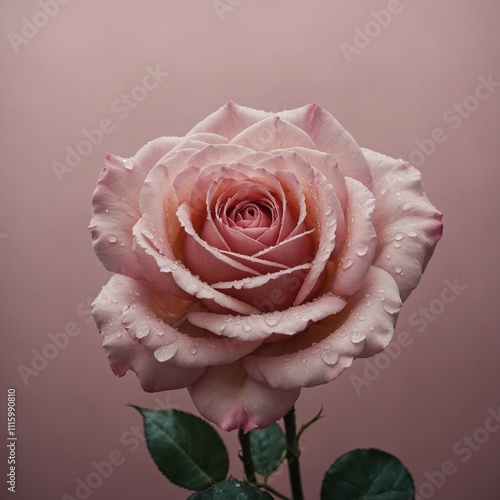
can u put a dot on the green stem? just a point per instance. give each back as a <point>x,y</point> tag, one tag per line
<point>247,456</point>
<point>292,455</point>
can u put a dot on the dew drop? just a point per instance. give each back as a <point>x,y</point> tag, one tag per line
<point>247,327</point>
<point>361,249</point>
<point>399,236</point>
<point>398,269</point>
<point>329,356</point>
<point>362,318</point>
<point>331,222</point>
<point>107,210</point>
<point>328,210</point>
<point>396,244</point>
<point>371,328</point>
<point>407,206</point>
<point>347,264</point>
<point>412,234</point>
<point>272,320</point>
<point>368,294</point>
<point>112,238</point>
<point>142,331</point>
<point>391,309</point>
<point>388,256</point>
<point>357,337</point>
<point>165,353</point>
<point>304,360</point>
<point>193,350</point>
<point>129,163</point>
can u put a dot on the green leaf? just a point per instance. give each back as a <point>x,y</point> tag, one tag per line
<point>268,447</point>
<point>368,475</point>
<point>231,490</point>
<point>186,449</point>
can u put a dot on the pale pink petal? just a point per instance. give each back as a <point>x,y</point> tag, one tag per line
<point>293,251</point>
<point>191,284</point>
<point>229,120</point>
<point>124,353</point>
<point>116,205</point>
<point>363,328</point>
<point>144,251</point>
<point>408,226</point>
<point>227,396</point>
<point>209,138</point>
<point>273,133</point>
<point>205,260</point>
<point>331,137</point>
<point>271,292</point>
<point>262,326</point>
<point>324,213</point>
<point>361,241</point>
<point>328,166</point>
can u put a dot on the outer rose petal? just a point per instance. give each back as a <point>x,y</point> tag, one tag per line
<point>359,248</point>
<point>230,120</point>
<point>227,396</point>
<point>331,137</point>
<point>273,133</point>
<point>261,326</point>
<point>408,226</point>
<point>116,205</point>
<point>320,354</point>
<point>126,354</point>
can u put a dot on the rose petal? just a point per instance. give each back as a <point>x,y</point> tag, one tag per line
<point>408,226</point>
<point>273,133</point>
<point>229,120</point>
<point>261,326</point>
<point>125,354</point>
<point>116,205</point>
<point>359,247</point>
<point>227,396</point>
<point>324,213</point>
<point>364,327</point>
<point>269,292</point>
<point>191,284</point>
<point>330,137</point>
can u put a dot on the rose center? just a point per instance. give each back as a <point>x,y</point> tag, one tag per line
<point>251,214</point>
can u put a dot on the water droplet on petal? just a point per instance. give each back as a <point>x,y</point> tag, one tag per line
<point>396,244</point>
<point>129,163</point>
<point>165,352</point>
<point>112,238</point>
<point>193,350</point>
<point>304,360</point>
<point>272,319</point>
<point>142,331</point>
<point>391,309</point>
<point>247,327</point>
<point>357,337</point>
<point>407,206</point>
<point>412,234</point>
<point>361,249</point>
<point>328,210</point>
<point>399,236</point>
<point>329,356</point>
<point>371,328</point>
<point>347,264</point>
<point>398,269</point>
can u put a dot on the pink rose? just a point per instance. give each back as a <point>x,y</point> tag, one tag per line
<point>259,254</point>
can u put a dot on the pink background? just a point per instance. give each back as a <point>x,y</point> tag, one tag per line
<point>270,55</point>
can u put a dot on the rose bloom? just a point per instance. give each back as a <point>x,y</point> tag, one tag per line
<point>259,254</point>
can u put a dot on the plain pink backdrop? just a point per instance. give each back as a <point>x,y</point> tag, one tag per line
<point>268,54</point>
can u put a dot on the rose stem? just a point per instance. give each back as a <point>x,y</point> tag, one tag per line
<point>292,455</point>
<point>247,455</point>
